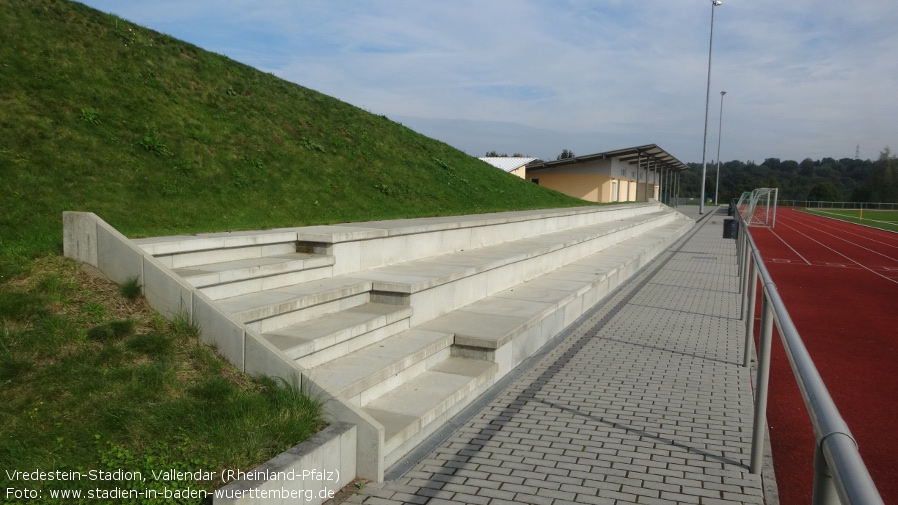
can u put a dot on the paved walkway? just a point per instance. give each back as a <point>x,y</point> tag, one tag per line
<point>641,401</point>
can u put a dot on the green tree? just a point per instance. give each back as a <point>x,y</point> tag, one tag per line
<point>824,191</point>
<point>806,167</point>
<point>565,154</point>
<point>884,179</point>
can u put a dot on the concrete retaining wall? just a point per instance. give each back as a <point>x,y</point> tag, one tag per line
<point>89,239</point>
<point>311,472</point>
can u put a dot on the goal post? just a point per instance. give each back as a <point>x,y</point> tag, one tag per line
<point>758,207</point>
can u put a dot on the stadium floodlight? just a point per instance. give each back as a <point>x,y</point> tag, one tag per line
<point>719,133</point>
<point>701,203</point>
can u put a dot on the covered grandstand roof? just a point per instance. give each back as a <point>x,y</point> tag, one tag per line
<point>648,157</point>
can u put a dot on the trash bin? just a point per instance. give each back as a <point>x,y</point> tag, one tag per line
<point>730,229</point>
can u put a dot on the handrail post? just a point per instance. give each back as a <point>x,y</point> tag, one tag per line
<point>740,243</point>
<point>760,424</point>
<point>744,262</point>
<point>748,298</point>
<point>824,488</point>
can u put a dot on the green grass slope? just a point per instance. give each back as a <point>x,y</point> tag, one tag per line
<point>158,136</point>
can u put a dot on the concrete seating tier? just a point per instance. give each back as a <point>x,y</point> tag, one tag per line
<point>410,320</point>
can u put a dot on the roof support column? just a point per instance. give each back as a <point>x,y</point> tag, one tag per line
<point>677,191</point>
<point>673,179</point>
<point>638,163</point>
<point>665,188</point>
<point>664,178</point>
<point>645,189</point>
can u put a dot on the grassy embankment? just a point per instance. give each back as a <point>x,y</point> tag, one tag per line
<point>159,137</point>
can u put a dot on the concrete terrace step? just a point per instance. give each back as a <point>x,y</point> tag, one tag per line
<point>190,250</point>
<point>269,310</point>
<point>525,316</point>
<point>363,246</point>
<point>503,264</point>
<point>442,283</point>
<point>236,277</point>
<point>375,369</point>
<point>330,336</point>
<point>411,395</point>
<point>412,411</point>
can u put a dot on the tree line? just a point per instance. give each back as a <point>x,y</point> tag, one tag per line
<point>826,179</point>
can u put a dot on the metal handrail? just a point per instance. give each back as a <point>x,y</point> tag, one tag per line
<point>840,473</point>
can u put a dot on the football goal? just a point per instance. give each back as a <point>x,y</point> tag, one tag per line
<point>758,207</point>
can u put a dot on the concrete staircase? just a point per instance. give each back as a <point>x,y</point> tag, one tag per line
<point>411,320</point>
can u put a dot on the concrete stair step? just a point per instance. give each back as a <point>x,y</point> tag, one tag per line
<point>237,277</point>
<point>331,336</point>
<point>190,250</point>
<point>408,412</point>
<point>374,370</point>
<point>494,321</point>
<point>268,310</point>
<point>418,275</point>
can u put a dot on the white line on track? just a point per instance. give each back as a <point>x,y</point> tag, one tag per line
<point>848,241</point>
<point>847,232</point>
<point>790,247</point>
<point>865,267</point>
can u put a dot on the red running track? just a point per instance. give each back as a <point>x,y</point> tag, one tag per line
<point>840,285</point>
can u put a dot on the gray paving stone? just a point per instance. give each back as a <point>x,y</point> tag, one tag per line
<point>496,493</point>
<point>411,498</point>
<point>442,501</point>
<point>518,488</point>
<point>472,499</point>
<point>534,499</point>
<point>374,500</point>
<point>595,500</point>
<point>644,402</point>
<point>510,479</point>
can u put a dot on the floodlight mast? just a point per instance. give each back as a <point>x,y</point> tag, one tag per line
<point>719,135</point>
<point>701,204</point>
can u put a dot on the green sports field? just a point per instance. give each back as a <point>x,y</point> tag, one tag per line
<point>882,219</point>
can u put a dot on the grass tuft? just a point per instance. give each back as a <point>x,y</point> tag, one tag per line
<point>184,325</point>
<point>111,330</point>
<point>152,345</point>
<point>131,288</point>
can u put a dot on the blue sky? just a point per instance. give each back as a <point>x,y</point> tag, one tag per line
<point>805,78</point>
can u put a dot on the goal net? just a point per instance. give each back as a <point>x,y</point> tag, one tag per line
<point>758,207</point>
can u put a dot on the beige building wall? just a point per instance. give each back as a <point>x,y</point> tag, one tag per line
<point>619,189</point>
<point>606,188</point>
<point>601,181</point>
<point>520,172</point>
<point>583,186</point>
